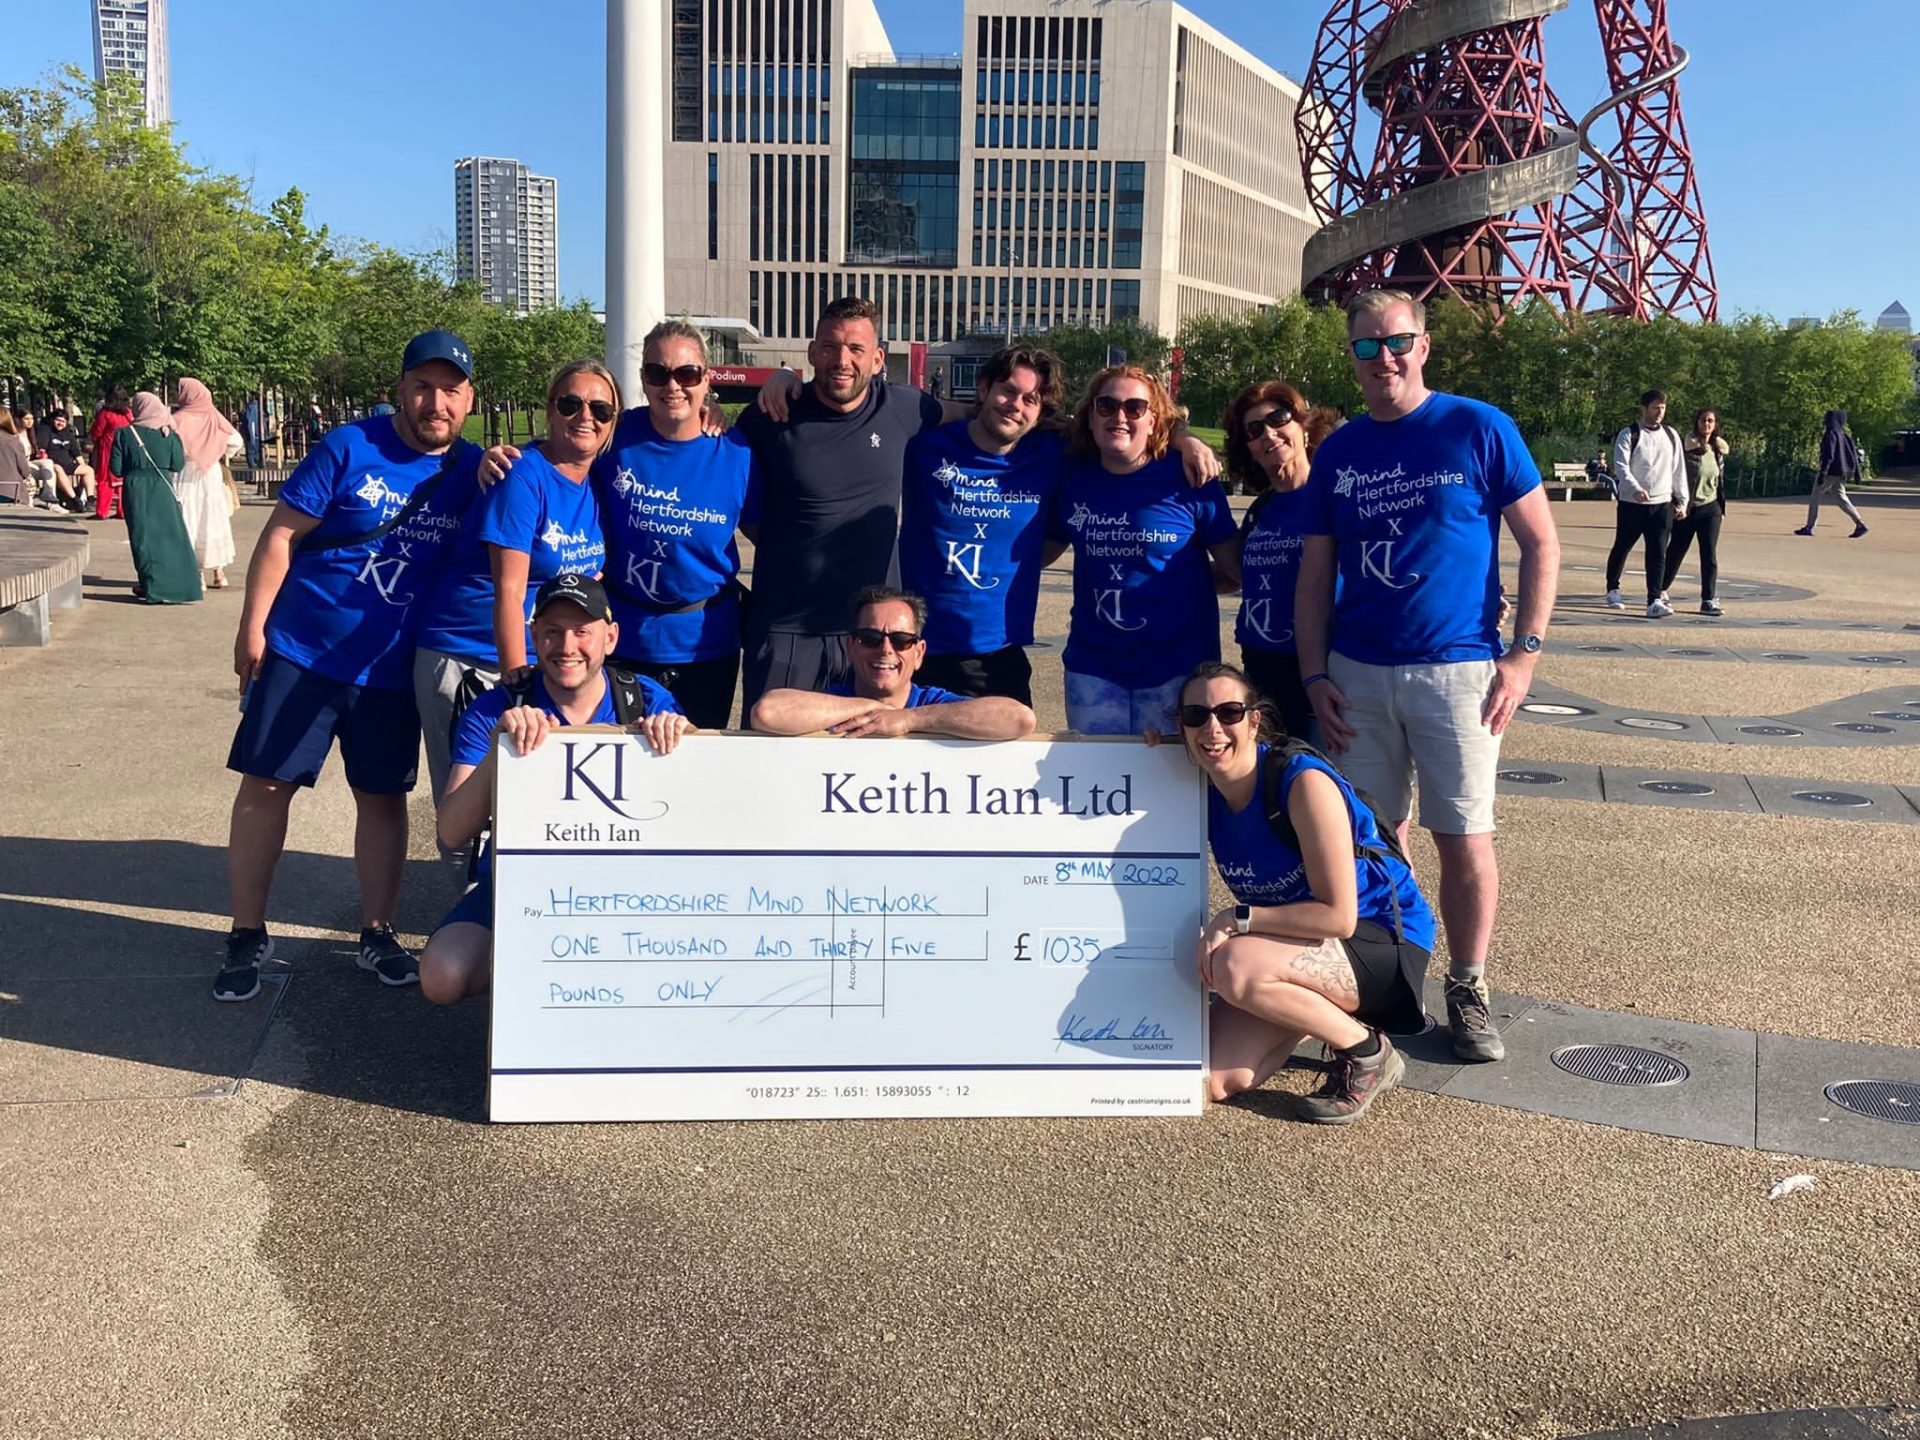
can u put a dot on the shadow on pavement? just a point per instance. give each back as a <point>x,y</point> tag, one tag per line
<point>98,982</point>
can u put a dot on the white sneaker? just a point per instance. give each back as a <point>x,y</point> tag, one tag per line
<point>1659,609</point>
<point>1663,598</point>
<point>1615,600</point>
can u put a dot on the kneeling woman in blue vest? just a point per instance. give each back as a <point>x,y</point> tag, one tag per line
<point>1330,937</point>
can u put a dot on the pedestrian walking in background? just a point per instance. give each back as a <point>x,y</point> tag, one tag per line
<point>114,413</point>
<point>1839,463</point>
<point>146,455</point>
<point>206,505</point>
<point>1650,493</point>
<point>1706,454</point>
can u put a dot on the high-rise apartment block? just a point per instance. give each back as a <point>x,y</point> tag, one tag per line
<point>507,232</point>
<point>130,37</point>
<point>1078,162</point>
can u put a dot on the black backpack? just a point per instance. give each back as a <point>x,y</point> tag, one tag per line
<point>1272,800</point>
<point>629,699</point>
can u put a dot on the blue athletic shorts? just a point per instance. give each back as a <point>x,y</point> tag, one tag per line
<point>473,908</point>
<point>291,717</point>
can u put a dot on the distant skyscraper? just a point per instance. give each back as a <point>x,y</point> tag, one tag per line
<point>1895,318</point>
<point>130,37</point>
<point>507,232</point>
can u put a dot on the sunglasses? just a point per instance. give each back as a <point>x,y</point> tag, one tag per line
<point>873,639</point>
<point>568,406</point>
<point>1274,420</point>
<point>1133,407</point>
<point>1227,712</point>
<point>685,376</point>
<point>1369,348</point>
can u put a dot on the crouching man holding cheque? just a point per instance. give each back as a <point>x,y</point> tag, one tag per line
<point>573,633</point>
<point>887,646</point>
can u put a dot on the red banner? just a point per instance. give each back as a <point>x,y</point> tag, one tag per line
<point>917,364</point>
<point>1173,372</point>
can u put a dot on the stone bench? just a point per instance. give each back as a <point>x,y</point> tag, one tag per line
<point>42,557</point>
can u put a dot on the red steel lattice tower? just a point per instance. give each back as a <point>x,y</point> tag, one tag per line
<point>1477,183</point>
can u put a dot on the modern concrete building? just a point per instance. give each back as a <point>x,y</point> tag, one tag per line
<point>130,37</point>
<point>1078,162</point>
<point>1895,318</point>
<point>507,232</point>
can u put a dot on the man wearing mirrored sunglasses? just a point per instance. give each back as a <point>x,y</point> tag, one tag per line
<point>887,645</point>
<point>1406,669</point>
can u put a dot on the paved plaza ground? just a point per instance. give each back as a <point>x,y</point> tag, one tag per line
<point>289,1218</point>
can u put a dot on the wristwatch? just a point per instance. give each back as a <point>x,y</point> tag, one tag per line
<point>1242,919</point>
<point>1530,643</point>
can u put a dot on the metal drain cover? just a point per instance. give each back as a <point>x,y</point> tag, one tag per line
<point>1619,1064</point>
<point>1856,727</point>
<point>1878,659</point>
<point>1644,722</point>
<point>1690,653</point>
<point>1542,707</point>
<point>1785,655</point>
<point>1781,730</point>
<point>1894,1100</point>
<point>1676,787</point>
<point>1532,777</point>
<point>1846,799</point>
<point>1895,715</point>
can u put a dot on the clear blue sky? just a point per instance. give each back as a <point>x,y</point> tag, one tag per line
<point>1802,119</point>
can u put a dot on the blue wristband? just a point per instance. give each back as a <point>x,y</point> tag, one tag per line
<point>1314,679</point>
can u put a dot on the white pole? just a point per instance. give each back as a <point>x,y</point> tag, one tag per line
<point>636,183</point>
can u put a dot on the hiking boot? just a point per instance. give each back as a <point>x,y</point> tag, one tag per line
<point>247,951</point>
<point>383,954</point>
<point>1711,607</point>
<point>1659,610</point>
<point>1470,1020</point>
<point>1615,600</point>
<point>1353,1084</point>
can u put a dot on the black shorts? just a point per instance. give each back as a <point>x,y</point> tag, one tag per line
<point>1005,672</point>
<point>1390,976</point>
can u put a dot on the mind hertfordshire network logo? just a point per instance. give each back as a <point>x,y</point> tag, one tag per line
<point>1386,492</point>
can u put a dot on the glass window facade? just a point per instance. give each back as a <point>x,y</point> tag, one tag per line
<point>904,166</point>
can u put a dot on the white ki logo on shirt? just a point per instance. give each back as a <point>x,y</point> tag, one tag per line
<point>873,440</point>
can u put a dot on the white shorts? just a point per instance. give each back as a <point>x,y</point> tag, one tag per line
<point>1421,721</point>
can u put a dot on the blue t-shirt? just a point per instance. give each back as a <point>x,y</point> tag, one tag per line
<point>534,509</point>
<point>473,731</point>
<point>349,613</point>
<point>1269,570</point>
<point>1414,508</point>
<point>917,695</point>
<point>972,526</point>
<point>1144,607</point>
<point>671,508</point>
<point>1261,870</point>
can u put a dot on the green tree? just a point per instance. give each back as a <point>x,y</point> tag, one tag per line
<point>1083,350</point>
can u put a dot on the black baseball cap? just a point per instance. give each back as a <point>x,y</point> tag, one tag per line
<point>575,589</point>
<point>438,345</point>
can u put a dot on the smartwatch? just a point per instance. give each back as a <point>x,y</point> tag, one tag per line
<point>1530,643</point>
<point>1242,919</point>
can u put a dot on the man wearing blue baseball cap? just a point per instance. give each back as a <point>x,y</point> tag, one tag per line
<point>325,649</point>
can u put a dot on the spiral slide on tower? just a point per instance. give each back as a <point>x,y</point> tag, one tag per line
<point>1462,200</point>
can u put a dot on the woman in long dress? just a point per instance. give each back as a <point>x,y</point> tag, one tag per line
<point>145,456</point>
<point>206,439</point>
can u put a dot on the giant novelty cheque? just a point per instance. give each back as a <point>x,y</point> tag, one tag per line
<point>757,927</point>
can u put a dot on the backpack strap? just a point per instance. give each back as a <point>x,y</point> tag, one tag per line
<point>1273,801</point>
<point>416,502</point>
<point>629,696</point>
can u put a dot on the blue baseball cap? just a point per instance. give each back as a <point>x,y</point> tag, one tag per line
<point>438,345</point>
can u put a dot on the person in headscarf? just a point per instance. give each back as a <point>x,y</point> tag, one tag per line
<point>206,439</point>
<point>145,456</point>
<point>1839,463</point>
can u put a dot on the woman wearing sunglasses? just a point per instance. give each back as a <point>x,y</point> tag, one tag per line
<point>1145,606</point>
<point>1329,935</point>
<point>1271,437</point>
<point>539,520</point>
<point>672,498</point>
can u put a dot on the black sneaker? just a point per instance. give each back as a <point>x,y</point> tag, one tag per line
<point>1470,1018</point>
<point>383,954</point>
<point>239,978</point>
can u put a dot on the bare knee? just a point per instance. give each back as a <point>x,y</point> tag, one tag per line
<point>1225,1084</point>
<point>1237,972</point>
<point>457,962</point>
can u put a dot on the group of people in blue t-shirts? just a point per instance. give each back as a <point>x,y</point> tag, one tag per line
<point>407,583</point>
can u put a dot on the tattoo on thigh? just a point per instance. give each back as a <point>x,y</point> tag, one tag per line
<point>1326,968</point>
